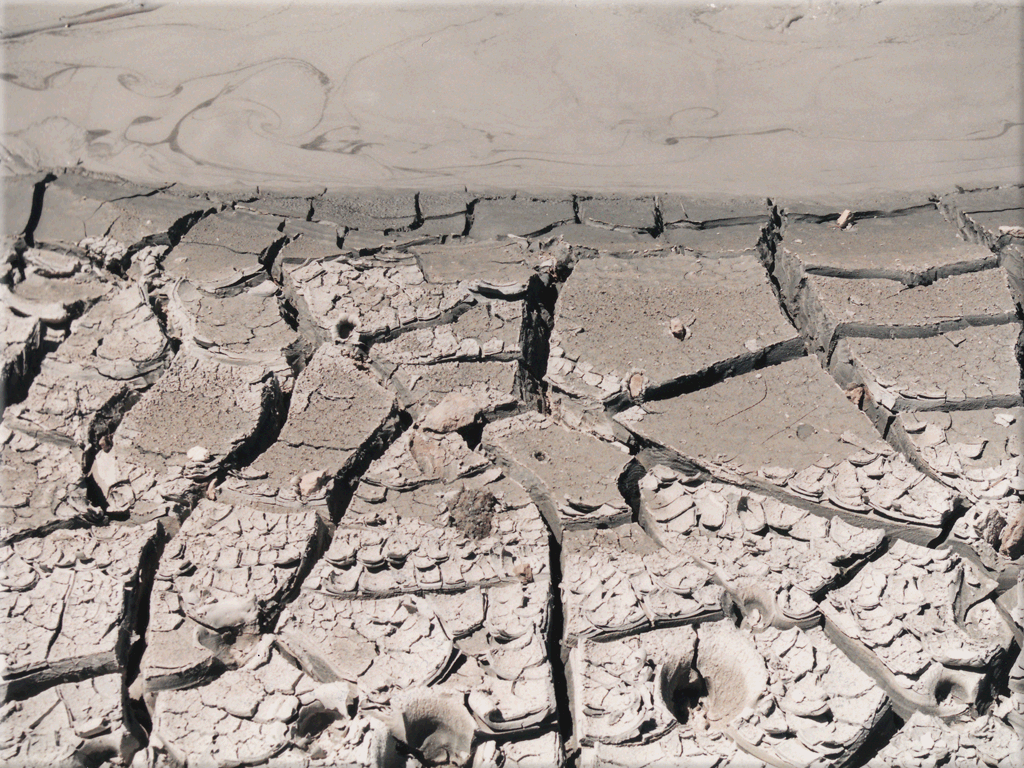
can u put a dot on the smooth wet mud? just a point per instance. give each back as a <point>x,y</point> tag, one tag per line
<point>800,99</point>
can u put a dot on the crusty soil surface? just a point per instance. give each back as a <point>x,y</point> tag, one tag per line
<point>278,491</point>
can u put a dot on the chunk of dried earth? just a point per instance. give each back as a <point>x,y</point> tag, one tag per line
<point>636,325</point>
<point>789,426</point>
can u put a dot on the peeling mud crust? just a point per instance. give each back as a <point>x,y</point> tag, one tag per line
<point>483,479</point>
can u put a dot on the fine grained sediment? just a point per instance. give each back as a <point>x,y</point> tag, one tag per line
<point>438,479</point>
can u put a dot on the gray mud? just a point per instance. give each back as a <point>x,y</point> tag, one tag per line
<point>321,446</point>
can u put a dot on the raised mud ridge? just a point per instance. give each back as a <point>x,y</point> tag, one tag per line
<point>442,480</point>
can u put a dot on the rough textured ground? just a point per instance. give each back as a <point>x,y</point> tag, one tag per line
<point>435,480</point>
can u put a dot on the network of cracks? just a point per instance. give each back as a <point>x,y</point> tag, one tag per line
<point>485,480</point>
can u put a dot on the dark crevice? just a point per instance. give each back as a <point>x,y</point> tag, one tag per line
<point>498,294</point>
<point>911,279</point>
<point>158,300</point>
<point>924,331</point>
<point>314,719</point>
<point>154,192</point>
<point>387,371</point>
<point>267,431</point>
<point>659,221</point>
<point>172,236</point>
<point>628,484</point>
<point>650,454</point>
<point>963,219</point>
<point>849,376</point>
<point>544,230</point>
<point>14,264</point>
<point>683,687</point>
<point>266,434</point>
<point>319,544</point>
<point>999,683</point>
<point>180,228</point>
<point>418,219</point>
<point>174,343</point>
<point>372,449</point>
<point>907,405</point>
<point>767,251</point>
<point>960,508</point>
<point>19,688</point>
<point>136,638</point>
<point>1019,348</point>
<point>731,609</point>
<point>776,354</point>
<point>401,247</point>
<point>59,626</point>
<point>100,438</point>
<point>38,193</point>
<point>94,496</point>
<point>106,421</point>
<point>339,493</point>
<point>269,255</point>
<point>1013,209</point>
<point>1003,244</point>
<point>136,613</point>
<point>426,592</point>
<point>505,411</point>
<point>473,433</point>
<point>735,221</point>
<point>558,653</point>
<point>418,259</point>
<point>445,318</point>
<point>825,218</point>
<point>110,226</point>
<point>877,740</point>
<point>288,312</point>
<point>97,753</point>
<point>964,224</point>
<point>19,382</point>
<point>535,341</point>
<point>845,577</point>
<point>800,304</point>
<point>892,432</point>
<point>470,216</point>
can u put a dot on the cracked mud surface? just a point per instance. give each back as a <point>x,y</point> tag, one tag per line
<point>443,480</point>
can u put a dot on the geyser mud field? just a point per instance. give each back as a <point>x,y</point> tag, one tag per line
<point>748,99</point>
<point>721,471</point>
